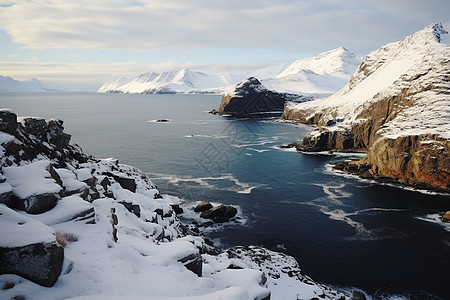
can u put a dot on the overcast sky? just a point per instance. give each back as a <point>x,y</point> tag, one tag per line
<point>82,43</point>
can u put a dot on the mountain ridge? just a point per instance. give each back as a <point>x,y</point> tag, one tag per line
<point>303,76</point>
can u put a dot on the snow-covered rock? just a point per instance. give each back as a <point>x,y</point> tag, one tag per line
<point>8,84</point>
<point>396,106</point>
<point>322,74</point>
<point>119,239</point>
<point>28,248</point>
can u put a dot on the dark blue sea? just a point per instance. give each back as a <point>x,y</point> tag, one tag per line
<point>343,231</point>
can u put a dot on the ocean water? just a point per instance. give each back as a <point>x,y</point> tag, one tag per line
<point>343,231</point>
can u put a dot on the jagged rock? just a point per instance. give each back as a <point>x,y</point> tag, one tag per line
<point>132,208</point>
<point>358,295</point>
<point>219,214</point>
<point>40,263</point>
<point>55,128</point>
<point>36,187</point>
<point>446,217</point>
<point>205,205</point>
<point>28,248</point>
<point>250,96</point>
<point>177,209</point>
<point>8,121</point>
<point>194,263</point>
<point>127,183</point>
<point>35,126</point>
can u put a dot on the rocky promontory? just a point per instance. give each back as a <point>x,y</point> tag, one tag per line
<point>72,225</point>
<point>250,96</point>
<point>395,108</point>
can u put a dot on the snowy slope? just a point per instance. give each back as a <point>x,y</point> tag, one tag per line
<point>8,84</point>
<point>419,64</point>
<point>323,74</point>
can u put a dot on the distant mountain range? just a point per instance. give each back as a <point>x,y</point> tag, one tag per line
<point>8,84</point>
<point>325,73</point>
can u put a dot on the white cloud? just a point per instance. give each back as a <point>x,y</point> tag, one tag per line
<point>160,24</point>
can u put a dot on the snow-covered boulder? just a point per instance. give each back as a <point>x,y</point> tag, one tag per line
<point>34,186</point>
<point>28,248</point>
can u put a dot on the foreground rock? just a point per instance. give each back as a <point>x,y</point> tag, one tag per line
<point>250,96</point>
<point>29,248</point>
<point>395,107</point>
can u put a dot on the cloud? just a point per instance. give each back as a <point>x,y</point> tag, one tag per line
<point>153,25</point>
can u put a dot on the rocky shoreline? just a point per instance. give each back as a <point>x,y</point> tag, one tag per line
<point>68,219</point>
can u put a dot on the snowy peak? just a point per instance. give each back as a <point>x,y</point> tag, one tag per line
<point>323,74</point>
<point>398,58</point>
<point>339,60</point>
<point>8,84</point>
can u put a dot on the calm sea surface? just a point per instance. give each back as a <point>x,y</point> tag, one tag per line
<point>343,231</point>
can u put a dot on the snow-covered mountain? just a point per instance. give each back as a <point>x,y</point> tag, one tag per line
<point>8,84</point>
<point>396,105</point>
<point>323,74</point>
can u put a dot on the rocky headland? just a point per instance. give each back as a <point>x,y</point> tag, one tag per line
<point>72,225</point>
<point>395,108</point>
<point>251,97</point>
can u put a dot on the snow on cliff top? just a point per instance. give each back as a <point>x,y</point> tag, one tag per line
<point>416,63</point>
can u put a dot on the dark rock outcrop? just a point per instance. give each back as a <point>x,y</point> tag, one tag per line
<point>219,214</point>
<point>194,263</point>
<point>205,205</point>
<point>40,262</point>
<point>8,121</point>
<point>446,217</point>
<point>250,96</point>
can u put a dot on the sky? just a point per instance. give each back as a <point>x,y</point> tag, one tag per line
<point>81,44</point>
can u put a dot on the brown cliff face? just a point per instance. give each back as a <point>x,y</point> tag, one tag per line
<point>401,127</point>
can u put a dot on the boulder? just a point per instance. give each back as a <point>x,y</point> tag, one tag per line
<point>40,262</point>
<point>6,194</point>
<point>127,183</point>
<point>132,208</point>
<point>205,205</point>
<point>28,248</point>
<point>446,217</point>
<point>177,209</point>
<point>358,295</point>
<point>35,126</point>
<point>55,129</point>
<point>194,263</point>
<point>36,187</point>
<point>219,214</point>
<point>37,204</point>
<point>8,121</point>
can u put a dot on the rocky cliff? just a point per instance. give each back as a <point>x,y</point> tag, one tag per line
<point>88,227</point>
<point>395,107</point>
<point>250,96</point>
